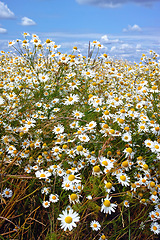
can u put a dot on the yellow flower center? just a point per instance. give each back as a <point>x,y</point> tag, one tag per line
<point>152,184</point>
<point>125,164</point>
<point>79,148</point>
<point>123,178</point>
<point>154,228</point>
<point>112,131</point>
<point>7,192</point>
<point>145,166</point>
<point>108,185</point>
<point>56,150</point>
<point>42,175</point>
<point>71,177</point>
<point>156,146</point>
<point>129,150</point>
<point>105,163</point>
<point>126,128</point>
<point>96,169</point>
<point>154,87</point>
<point>105,126</point>
<point>107,203</point>
<point>48,41</point>
<point>121,120</point>
<point>68,219</point>
<point>70,99</point>
<point>95,225</point>
<point>126,137</point>
<point>106,113</point>
<point>73,196</point>
<point>103,237</point>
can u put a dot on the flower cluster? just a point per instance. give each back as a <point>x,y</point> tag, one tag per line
<point>88,130</point>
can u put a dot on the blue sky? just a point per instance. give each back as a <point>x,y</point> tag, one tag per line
<point>126,28</point>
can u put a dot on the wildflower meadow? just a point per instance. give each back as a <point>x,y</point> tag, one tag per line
<point>79,144</point>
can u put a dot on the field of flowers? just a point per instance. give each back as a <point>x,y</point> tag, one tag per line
<point>79,144</point>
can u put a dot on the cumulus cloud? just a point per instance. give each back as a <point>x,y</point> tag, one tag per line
<point>25,21</point>
<point>3,30</point>
<point>134,28</point>
<point>5,12</point>
<point>105,40</point>
<point>115,3</point>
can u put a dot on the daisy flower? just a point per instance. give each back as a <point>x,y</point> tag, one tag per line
<point>53,198</point>
<point>74,198</point>
<point>155,147</point>
<point>77,114</point>
<point>105,162</point>
<point>126,137</point>
<point>123,179</point>
<point>83,138</point>
<point>68,219</point>
<point>74,124</point>
<point>7,193</point>
<point>153,216</point>
<point>91,125</point>
<point>56,150</point>
<point>89,197</point>
<point>95,225</point>
<point>96,171</point>
<point>128,152</point>
<point>71,180</point>
<point>54,101</point>
<point>45,190</point>
<point>102,237</point>
<point>107,206</point>
<point>148,143</point>
<point>43,77</point>
<point>108,186</point>
<point>42,174</point>
<point>154,198</point>
<point>71,99</point>
<point>155,227</point>
<point>126,203</point>
<point>59,129</point>
<point>156,129</point>
<point>45,204</point>
<point>56,109</point>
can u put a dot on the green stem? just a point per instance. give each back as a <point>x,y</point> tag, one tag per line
<point>129,231</point>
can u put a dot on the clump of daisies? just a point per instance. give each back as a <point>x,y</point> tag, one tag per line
<point>86,132</point>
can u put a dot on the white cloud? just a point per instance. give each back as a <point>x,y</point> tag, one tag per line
<point>113,48</point>
<point>134,28</point>
<point>5,12</point>
<point>25,21</point>
<point>105,40</point>
<point>115,3</point>
<point>3,30</point>
<point>138,46</point>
